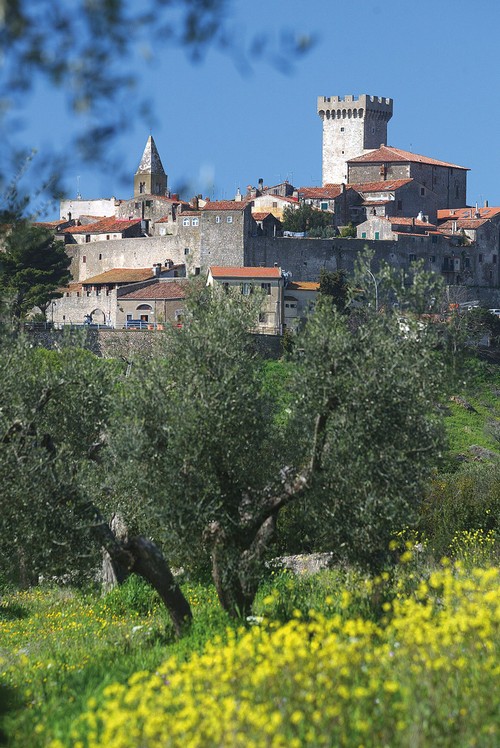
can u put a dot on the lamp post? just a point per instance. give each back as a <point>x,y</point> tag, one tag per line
<point>369,272</point>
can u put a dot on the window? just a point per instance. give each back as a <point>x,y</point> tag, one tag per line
<point>100,256</point>
<point>185,221</point>
<point>84,259</point>
<point>195,221</point>
<point>377,235</point>
<point>422,191</point>
<point>480,258</point>
<point>225,286</point>
<point>433,259</point>
<point>87,238</point>
<point>186,251</point>
<point>494,259</point>
<point>413,258</point>
<point>324,206</point>
<point>266,287</point>
<point>342,129</point>
<point>262,318</point>
<point>246,289</point>
<point>197,271</point>
<point>363,234</point>
<point>149,203</point>
<point>217,219</point>
<point>467,262</point>
<point>142,187</point>
<point>229,219</point>
<point>275,205</point>
<point>129,316</point>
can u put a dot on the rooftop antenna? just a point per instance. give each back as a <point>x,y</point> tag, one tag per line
<point>78,194</point>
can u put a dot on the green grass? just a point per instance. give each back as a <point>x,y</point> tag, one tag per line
<point>59,647</point>
<point>465,428</point>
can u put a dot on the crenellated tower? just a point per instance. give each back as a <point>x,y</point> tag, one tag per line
<point>150,177</point>
<point>352,126</point>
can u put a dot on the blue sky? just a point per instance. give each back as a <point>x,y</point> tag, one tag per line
<point>218,129</point>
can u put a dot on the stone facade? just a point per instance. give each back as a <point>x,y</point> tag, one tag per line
<point>245,281</point>
<point>458,264</point>
<point>448,182</point>
<point>72,210</point>
<point>352,125</point>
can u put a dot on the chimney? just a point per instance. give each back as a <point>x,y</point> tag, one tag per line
<point>156,269</point>
<point>486,204</point>
<point>194,202</point>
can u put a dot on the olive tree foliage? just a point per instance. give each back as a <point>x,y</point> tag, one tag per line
<point>367,408</point>
<point>196,446</point>
<point>55,408</point>
<point>93,52</point>
<point>200,459</point>
<point>385,287</point>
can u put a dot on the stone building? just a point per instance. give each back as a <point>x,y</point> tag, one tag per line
<point>268,281</point>
<point>352,126</point>
<point>435,182</point>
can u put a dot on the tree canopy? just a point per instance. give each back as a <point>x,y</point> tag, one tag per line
<point>33,267</point>
<point>192,452</point>
<point>306,218</point>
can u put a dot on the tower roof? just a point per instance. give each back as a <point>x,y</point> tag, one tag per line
<point>150,161</point>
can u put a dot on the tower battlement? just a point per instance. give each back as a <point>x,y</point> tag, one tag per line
<point>338,107</point>
<point>352,126</point>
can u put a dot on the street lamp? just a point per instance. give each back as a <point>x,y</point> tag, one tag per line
<point>369,272</point>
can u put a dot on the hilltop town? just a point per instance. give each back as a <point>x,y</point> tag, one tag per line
<point>129,256</point>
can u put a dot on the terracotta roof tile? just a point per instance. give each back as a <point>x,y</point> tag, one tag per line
<point>386,154</point>
<point>302,286</point>
<point>247,272</point>
<point>454,213</point>
<point>225,205</point>
<point>383,186</point>
<point>261,216</point>
<point>120,275</point>
<point>409,221</point>
<point>158,289</point>
<point>328,192</point>
<point>109,225</point>
<point>463,223</point>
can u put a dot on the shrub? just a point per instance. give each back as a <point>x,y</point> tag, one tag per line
<point>465,501</point>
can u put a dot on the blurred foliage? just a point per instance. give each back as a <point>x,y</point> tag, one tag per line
<point>92,50</point>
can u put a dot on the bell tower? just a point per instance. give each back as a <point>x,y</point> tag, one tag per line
<point>352,126</point>
<point>150,177</point>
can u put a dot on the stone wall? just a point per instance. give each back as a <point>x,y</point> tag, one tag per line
<point>305,258</point>
<point>129,344</point>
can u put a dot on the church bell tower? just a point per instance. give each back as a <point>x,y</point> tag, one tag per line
<point>150,177</point>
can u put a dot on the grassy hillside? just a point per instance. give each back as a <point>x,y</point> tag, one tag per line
<point>473,417</point>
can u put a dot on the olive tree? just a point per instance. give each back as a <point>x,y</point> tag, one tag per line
<point>54,416</point>
<point>199,459</point>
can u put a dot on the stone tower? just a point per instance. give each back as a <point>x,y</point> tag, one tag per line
<point>352,126</point>
<point>150,177</point>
